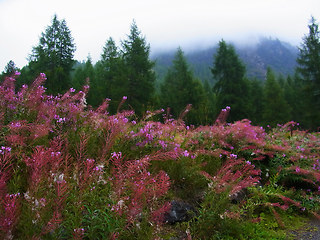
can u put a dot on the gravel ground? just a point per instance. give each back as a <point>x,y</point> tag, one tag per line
<point>310,232</point>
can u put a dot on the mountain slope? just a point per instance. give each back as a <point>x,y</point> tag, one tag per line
<point>278,55</point>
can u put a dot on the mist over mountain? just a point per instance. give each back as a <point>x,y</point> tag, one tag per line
<point>268,52</point>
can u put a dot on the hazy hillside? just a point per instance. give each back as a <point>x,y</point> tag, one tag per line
<point>278,55</point>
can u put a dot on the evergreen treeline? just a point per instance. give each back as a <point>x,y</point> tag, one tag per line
<point>257,57</point>
<point>126,72</point>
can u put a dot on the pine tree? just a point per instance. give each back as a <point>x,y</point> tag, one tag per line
<point>54,56</point>
<point>180,88</point>
<point>309,56</point>
<point>275,108</point>
<point>112,80</point>
<point>309,70</point>
<point>230,85</point>
<point>255,98</point>
<point>295,97</point>
<point>139,70</point>
<point>83,71</point>
<point>210,110</point>
<point>10,68</point>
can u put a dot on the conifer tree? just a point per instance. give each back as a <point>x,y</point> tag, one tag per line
<point>255,99</point>
<point>309,56</point>
<point>180,88</point>
<point>309,71</point>
<point>275,108</point>
<point>54,56</point>
<point>111,75</point>
<point>82,72</point>
<point>10,68</point>
<point>230,85</point>
<point>139,70</point>
<point>210,110</point>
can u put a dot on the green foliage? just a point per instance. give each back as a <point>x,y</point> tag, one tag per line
<point>217,218</point>
<point>230,85</point>
<point>275,108</point>
<point>309,70</point>
<point>180,88</point>
<point>268,52</point>
<point>112,81</point>
<point>82,73</point>
<point>187,184</point>
<point>255,105</point>
<point>9,69</point>
<point>68,171</point>
<point>54,56</point>
<point>139,72</point>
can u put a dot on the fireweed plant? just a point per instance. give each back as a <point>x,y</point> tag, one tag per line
<point>68,171</point>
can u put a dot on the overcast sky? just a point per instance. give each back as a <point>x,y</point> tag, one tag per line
<point>164,23</point>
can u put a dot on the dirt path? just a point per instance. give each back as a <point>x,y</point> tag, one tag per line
<point>311,231</point>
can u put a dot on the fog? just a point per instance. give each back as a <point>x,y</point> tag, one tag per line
<point>166,24</point>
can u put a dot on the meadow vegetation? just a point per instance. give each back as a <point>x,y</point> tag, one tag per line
<point>68,171</point>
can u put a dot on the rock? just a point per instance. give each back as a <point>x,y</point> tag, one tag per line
<point>237,197</point>
<point>179,212</point>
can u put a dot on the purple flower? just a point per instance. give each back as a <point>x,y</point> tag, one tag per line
<point>116,155</point>
<point>298,169</point>
<point>124,97</point>
<point>61,120</point>
<point>186,153</point>
<point>17,73</point>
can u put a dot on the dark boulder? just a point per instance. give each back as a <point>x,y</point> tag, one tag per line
<point>179,212</point>
<point>239,196</point>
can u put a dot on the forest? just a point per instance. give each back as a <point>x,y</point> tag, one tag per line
<point>264,96</point>
<point>111,151</point>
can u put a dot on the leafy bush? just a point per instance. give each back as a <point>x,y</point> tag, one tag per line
<point>70,171</point>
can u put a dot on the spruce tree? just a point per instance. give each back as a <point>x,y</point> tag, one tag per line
<point>309,57</point>
<point>309,71</point>
<point>210,106</point>
<point>10,68</point>
<point>230,85</point>
<point>180,88</point>
<point>296,98</point>
<point>255,98</point>
<point>275,108</point>
<point>139,70</point>
<point>83,71</point>
<point>54,56</point>
<point>112,80</point>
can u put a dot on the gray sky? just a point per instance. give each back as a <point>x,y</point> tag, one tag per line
<point>165,23</point>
